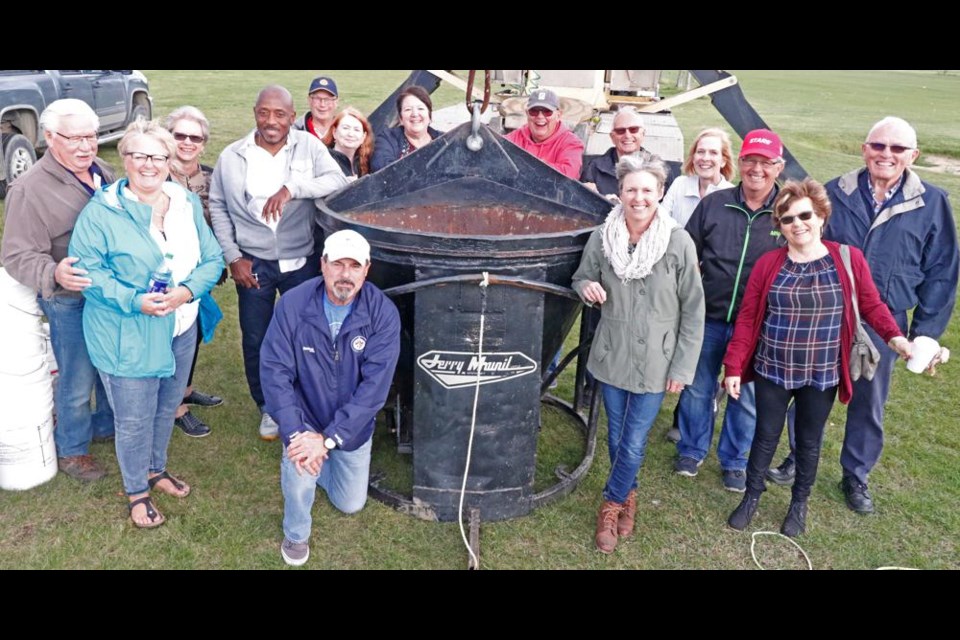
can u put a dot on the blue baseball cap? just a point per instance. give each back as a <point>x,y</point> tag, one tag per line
<point>324,83</point>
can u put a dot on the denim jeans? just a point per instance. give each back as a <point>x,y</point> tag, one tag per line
<point>256,311</point>
<point>629,418</point>
<point>77,424</point>
<point>812,409</point>
<point>344,476</point>
<point>696,406</point>
<point>144,409</point>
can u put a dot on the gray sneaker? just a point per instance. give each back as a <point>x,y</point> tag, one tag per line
<point>269,429</point>
<point>294,553</point>
<point>735,480</point>
<point>686,466</point>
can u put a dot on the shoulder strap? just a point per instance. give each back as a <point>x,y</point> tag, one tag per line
<point>845,256</point>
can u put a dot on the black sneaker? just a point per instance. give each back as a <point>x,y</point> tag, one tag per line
<point>200,399</point>
<point>686,466</point>
<point>857,496</point>
<point>673,435</point>
<point>192,425</point>
<point>783,475</point>
<point>743,514</point>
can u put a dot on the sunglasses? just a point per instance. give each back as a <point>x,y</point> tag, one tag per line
<point>894,148</point>
<point>535,111</point>
<point>622,130</point>
<point>788,220</point>
<point>182,137</point>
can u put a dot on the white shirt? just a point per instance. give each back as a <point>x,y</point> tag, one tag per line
<point>684,196</point>
<point>267,174</point>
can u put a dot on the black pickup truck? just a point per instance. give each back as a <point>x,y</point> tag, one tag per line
<point>118,96</point>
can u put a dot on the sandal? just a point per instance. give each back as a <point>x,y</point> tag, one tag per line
<point>156,518</point>
<point>177,484</point>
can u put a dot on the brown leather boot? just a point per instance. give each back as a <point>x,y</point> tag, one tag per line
<point>625,522</point>
<point>606,538</point>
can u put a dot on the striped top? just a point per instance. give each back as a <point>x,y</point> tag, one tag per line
<point>800,340</point>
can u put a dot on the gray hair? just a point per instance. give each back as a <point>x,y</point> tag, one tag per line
<point>629,111</point>
<point>51,117</point>
<point>188,113</point>
<point>634,164</point>
<point>151,128</point>
<point>899,123</point>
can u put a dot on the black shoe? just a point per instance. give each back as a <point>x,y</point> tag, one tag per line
<point>201,399</point>
<point>192,425</point>
<point>796,521</point>
<point>857,495</point>
<point>784,474</point>
<point>743,514</point>
<point>673,435</point>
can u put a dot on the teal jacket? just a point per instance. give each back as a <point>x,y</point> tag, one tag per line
<point>112,240</point>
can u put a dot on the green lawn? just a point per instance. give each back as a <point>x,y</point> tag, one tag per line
<point>232,519</point>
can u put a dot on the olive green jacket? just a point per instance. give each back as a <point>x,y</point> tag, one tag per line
<point>651,330</point>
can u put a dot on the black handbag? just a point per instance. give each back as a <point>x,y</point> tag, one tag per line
<point>864,357</point>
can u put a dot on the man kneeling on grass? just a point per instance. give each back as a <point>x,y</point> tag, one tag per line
<point>326,365</point>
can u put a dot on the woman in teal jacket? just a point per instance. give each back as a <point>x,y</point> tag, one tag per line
<point>142,343</point>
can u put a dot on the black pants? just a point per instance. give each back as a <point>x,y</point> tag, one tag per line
<point>813,409</point>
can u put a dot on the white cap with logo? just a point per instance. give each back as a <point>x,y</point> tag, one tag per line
<point>346,244</point>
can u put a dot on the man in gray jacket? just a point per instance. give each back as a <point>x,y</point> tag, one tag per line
<point>42,208</point>
<point>262,207</point>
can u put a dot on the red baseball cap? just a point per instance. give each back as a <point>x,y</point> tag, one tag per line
<point>762,142</point>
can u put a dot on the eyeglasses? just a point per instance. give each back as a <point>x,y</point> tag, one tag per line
<point>322,99</point>
<point>183,137</point>
<point>142,158</point>
<point>76,141</point>
<point>754,162</point>
<point>896,149</point>
<point>536,111</point>
<point>788,220</point>
<point>622,130</point>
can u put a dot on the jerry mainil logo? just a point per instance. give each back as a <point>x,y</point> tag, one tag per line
<point>455,369</point>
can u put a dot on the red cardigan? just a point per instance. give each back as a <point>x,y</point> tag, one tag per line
<point>738,360</point>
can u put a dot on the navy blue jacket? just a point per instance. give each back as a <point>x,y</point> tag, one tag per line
<point>911,246</point>
<point>730,238</point>
<point>311,383</point>
<point>386,149</point>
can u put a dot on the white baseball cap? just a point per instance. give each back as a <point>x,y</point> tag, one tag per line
<point>346,244</point>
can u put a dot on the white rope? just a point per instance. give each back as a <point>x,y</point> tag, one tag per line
<point>473,425</point>
<point>753,544</point>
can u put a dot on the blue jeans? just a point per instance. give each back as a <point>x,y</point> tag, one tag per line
<point>76,423</point>
<point>256,311</point>
<point>144,409</point>
<point>629,418</point>
<point>696,406</point>
<point>344,476</point>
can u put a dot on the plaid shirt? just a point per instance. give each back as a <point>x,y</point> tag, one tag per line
<point>800,339</point>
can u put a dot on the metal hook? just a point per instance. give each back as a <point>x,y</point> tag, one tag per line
<point>474,141</point>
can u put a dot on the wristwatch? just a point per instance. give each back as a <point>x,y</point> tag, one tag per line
<point>329,443</point>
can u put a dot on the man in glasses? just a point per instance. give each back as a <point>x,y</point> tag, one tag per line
<point>546,137</point>
<point>262,208</point>
<point>731,229</point>
<point>41,208</point>
<point>905,228</point>
<point>627,136</point>
<point>324,99</point>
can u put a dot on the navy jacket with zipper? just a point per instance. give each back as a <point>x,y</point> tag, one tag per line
<point>911,246</point>
<point>312,383</point>
<point>730,238</point>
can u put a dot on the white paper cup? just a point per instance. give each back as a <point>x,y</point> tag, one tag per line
<point>924,349</point>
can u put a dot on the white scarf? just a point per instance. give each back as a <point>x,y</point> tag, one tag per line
<point>651,247</point>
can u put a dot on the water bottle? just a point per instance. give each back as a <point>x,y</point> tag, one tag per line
<point>162,276</point>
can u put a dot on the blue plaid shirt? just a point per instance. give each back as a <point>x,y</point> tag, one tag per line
<point>800,339</point>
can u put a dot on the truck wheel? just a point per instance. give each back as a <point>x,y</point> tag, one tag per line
<point>18,157</point>
<point>140,110</point>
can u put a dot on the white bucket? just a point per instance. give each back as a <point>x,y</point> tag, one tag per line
<point>28,456</point>
<point>22,341</point>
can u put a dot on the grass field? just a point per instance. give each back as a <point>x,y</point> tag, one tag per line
<point>232,519</point>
